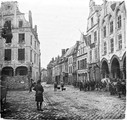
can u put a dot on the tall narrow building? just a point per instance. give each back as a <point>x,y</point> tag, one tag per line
<point>21,48</point>
<point>93,33</point>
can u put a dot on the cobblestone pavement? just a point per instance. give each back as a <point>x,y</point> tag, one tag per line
<point>70,104</point>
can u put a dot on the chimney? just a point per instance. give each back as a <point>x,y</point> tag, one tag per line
<point>63,51</point>
<point>30,19</point>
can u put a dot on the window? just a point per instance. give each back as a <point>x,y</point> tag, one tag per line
<point>95,53</point>
<point>31,40</point>
<point>7,25</point>
<point>34,57</point>
<point>78,65</point>
<point>105,48</point>
<point>104,32</point>
<point>21,38</point>
<point>120,41</point>
<point>111,27</point>
<point>6,33</point>
<point>89,38</point>
<point>35,44</point>
<point>7,54</point>
<point>112,45</point>
<point>90,55</point>
<point>21,54</point>
<point>30,55</point>
<point>92,22</point>
<point>95,36</point>
<point>85,63</point>
<point>70,69</point>
<point>119,22</point>
<point>20,23</point>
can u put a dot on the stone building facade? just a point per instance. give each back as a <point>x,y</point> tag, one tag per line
<point>103,51</point>
<point>113,21</point>
<point>93,41</point>
<point>21,44</point>
<point>82,57</point>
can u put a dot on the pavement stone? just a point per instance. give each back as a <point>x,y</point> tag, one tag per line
<point>71,104</point>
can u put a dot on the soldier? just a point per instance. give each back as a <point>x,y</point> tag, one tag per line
<point>55,86</point>
<point>123,87</point>
<point>62,86</point>
<point>119,87</point>
<point>39,94</point>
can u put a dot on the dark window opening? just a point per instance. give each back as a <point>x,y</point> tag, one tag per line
<point>7,71</point>
<point>111,27</point>
<point>95,36</point>
<point>21,54</point>
<point>20,24</point>
<point>7,54</point>
<point>21,38</point>
<point>112,45</point>
<point>104,31</point>
<point>89,39</point>
<point>21,71</point>
<point>119,22</point>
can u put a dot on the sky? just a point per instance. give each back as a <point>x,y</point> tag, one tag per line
<point>59,23</point>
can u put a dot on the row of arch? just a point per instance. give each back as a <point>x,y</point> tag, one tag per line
<point>115,69</point>
<point>9,71</point>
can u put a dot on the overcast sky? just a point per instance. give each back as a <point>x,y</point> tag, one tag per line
<point>59,23</point>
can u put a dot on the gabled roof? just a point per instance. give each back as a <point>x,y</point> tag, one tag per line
<point>70,51</point>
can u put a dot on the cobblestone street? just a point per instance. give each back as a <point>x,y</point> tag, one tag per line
<point>70,104</point>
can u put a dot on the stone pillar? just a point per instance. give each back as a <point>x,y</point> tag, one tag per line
<point>14,71</point>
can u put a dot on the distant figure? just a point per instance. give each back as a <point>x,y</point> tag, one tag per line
<point>62,86</point>
<point>31,85</point>
<point>39,94</point>
<point>55,86</point>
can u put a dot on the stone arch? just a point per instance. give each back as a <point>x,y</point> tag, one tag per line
<point>114,56</point>
<point>104,68</point>
<point>21,70</point>
<point>7,71</point>
<point>117,10</point>
<point>115,67</point>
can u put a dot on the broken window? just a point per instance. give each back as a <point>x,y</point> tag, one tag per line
<point>7,54</point>
<point>21,37</point>
<point>6,31</point>
<point>21,54</point>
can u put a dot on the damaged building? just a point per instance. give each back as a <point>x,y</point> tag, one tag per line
<point>20,47</point>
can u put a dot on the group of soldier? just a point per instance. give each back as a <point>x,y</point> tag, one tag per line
<point>115,87</point>
<point>58,87</point>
